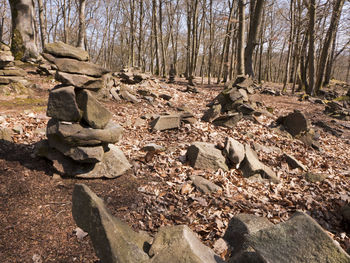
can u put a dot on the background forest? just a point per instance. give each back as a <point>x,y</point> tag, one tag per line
<point>284,41</point>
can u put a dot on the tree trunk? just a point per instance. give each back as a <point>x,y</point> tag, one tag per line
<point>163,73</point>
<point>255,21</point>
<point>140,34</point>
<point>211,38</point>
<point>333,27</point>
<point>312,14</point>
<point>23,45</point>
<point>81,35</point>
<point>42,23</point>
<point>241,38</point>
<point>290,46</point>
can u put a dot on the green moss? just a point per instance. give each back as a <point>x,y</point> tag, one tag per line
<point>342,98</point>
<point>17,45</point>
<point>18,102</point>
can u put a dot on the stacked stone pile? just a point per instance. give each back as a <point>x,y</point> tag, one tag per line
<point>10,74</point>
<point>81,133</point>
<point>231,104</point>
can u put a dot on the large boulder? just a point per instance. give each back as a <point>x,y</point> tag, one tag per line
<point>166,122</point>
<point>252,166</point>
<point>79,67</point>
<point>202,155</point>
<point>60,49</point>
<point>240,226</point>
<point>76,134</point>
<point>113,240</point>
<point>234,151</point>
<point>298,240</point>
<point>62,104</point>
<point>94,113</point>
<point>179,244</point>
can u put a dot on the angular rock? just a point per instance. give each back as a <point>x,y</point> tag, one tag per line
<point>75,134</point>
<point>113,240</point>
<point>242,225</point>
<point>126,95</point>
<point>234,151</point>
<point>114,94</point>
<point>166,122</point>
<point>294,163</point>
<point>79,67</point>
<point>152,147</point>
<point>298,240</point>
<point>62,104</point>
<point>204,185</point>
<point>6,56</point>
<point>313,177</point>
<point>251,166</point>
<point>4,47</point>
<point>60,49</point>
<point>113,164</point>
<point>179,244</point>
<point>5,134</point>
<point>13,79</point>
<point>49,57</point>
<point>294,123</point>
<point>228,120</point>
<point>82,154</point>
<point>345,211</point>
<point>244,95</point>
<point>94,113</point>
<point>76,80</point>
<point>212,113</point>
<point>246,109</point>
<point>202,155</point>
<point>13,72</point>
<point>165,96</point>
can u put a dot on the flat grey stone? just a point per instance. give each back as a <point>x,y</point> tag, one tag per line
<point>166,122</point>
<point>75,134</point>
<point>204,185</point>
<point>60,49</point>
<point>62,104</point>
<point>75,80</point>
<point>79,67</point>
<point>298,240</point>
<point>202,155</point>
<point>113,240</point>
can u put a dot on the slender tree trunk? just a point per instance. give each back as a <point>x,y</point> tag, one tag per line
<point>290,44</point>
<point>140,34</point>
<point>241,38</point>
<point>163,71</point>
<point>42,23</point>
<point>330,61</point>
<point>312,14</point>
<point>211,38</point>
<point>155,35</point>
<point>255,21</point>
<point>23,44</point>
<point>81,35</point>
<point>333,27</point>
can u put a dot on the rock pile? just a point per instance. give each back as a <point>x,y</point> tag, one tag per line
<point>81,133</point>
<point>10,75</point>
<point>231,104</point>
<point>202,155</point>
<point>249,238</point>
<point>339,109</point>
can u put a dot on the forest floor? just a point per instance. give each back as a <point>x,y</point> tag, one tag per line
<point>36,223</point>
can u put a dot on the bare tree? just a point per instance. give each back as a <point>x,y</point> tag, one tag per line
<point>241,38</point>
<point>81,36</point>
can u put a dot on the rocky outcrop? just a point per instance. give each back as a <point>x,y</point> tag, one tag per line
<point>60,49</point>
<point>116,242</point>
<point>231,104</point>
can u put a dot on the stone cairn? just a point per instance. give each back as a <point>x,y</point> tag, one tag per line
<point>80,133</point>
<point>10,75</point>
<point>232,103</point>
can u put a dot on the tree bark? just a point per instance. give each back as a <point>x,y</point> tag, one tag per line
<point>312,15</point>
<point>333,27</point>
<point>81,35</point>
<point>290,46</point>
<point>255,21</point>
<point>241,38</point>
<point>42,23</point>
<point>23,44</point>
